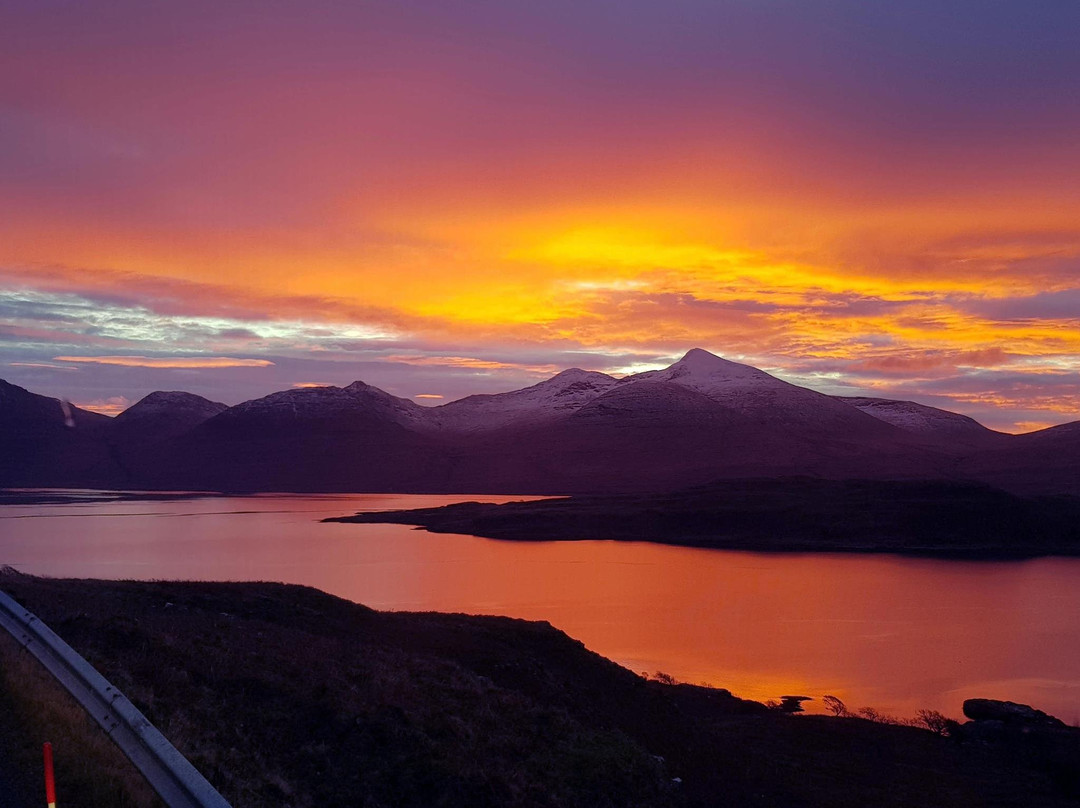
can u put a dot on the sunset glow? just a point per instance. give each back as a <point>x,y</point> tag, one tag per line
<point>444,199</point>
<point>169,362</point>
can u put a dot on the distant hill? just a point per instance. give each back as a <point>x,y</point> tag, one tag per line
<point>700,420</point>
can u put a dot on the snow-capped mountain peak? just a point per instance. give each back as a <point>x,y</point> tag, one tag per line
<point>560,395</point>
<point>710,374</point>
<point>763,397</point>
<point>171,402</point>
<point>331,402</point>
<point>569,382</point>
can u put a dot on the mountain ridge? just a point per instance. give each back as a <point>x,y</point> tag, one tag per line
<point>703,418</point>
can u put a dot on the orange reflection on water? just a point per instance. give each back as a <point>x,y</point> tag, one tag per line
<point>896,634</point>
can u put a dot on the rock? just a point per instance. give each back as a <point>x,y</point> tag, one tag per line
<point>1009,713</point>
<point>792,704</point>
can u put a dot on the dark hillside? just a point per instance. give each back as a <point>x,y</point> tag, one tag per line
<point>283,695</point>
<point>44,444</point>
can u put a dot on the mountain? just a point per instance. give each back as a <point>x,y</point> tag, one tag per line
<point>1046,461</point>
<point>164,414</point>
<point>766,399</point>
<point>632,437</point>
<point>700,420</point>
<point>47,442</point>
<point>355,438</point>
<point>307,405</point>
<point>658,432</point>
<point>551,399</point>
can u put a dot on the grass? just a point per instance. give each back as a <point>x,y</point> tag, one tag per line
<point>90,770</point>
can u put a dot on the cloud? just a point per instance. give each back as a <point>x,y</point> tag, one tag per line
<point>42,365</point>
<point>1062,305</point>
<point>114,405</point>
<point>59,291</point>
<point>908,363</point>
<point>427,395</point>
<point>470,363</point>
<point>169,361</point>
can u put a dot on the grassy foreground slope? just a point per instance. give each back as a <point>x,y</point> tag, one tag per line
<point>283,695</point>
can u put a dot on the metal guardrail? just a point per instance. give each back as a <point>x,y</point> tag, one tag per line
<point>170,774</point>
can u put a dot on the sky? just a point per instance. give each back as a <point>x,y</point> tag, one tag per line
<point>448,197</point>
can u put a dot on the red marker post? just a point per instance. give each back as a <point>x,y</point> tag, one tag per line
<point>50,783</point>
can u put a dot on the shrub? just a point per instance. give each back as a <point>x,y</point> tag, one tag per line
<point>933,721</point>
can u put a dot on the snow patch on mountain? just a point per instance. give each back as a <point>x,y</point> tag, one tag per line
<point>764,398</point>
<point>170,404</point>
<point>331,402</point>
<point>918,418</point>
<point>560,395</point>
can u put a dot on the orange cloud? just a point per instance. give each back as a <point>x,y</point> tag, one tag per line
<point>915,362</point>
<point>105,406</point>
<point>470,362</point>
<point>1031,398</point>
<point>169,362</point>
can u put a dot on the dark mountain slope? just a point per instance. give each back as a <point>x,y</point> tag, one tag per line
<point>324,439</point>
<point>46,442</point>
<point>162,414</point>
<point>633,437</point>
<point>1047,461</point>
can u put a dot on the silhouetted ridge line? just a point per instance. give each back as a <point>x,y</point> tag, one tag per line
<point>702,419</point>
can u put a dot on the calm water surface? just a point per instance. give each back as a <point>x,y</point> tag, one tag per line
<point>893,633</point>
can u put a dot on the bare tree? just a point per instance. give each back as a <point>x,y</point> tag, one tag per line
<point>834,705</point>
<point>933,721</point>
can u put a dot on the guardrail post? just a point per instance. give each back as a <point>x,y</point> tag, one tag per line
<point>50,783</point>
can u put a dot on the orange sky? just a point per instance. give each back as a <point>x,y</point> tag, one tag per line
<point>446,199</point>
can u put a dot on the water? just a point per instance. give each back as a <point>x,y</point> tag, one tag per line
<point>893,633</point>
